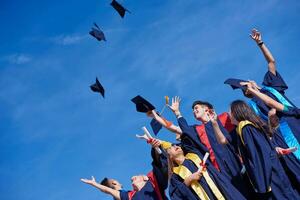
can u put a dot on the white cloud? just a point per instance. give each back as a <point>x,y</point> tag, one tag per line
<point>18,58</point>
<point>68,39</point>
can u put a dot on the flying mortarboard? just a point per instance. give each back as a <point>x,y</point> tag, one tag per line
<point>142,105</point>
<point>235,83</point>
<point>119,8</point>
<point>97,33</point>
<point>97,87</point>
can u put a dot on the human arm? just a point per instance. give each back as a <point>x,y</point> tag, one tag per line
<point>114,193</point>
<point>252,89</point>
<point>167,124</point>
<point>256,36</point>
<point>193,177</point>
<point>218,133</point>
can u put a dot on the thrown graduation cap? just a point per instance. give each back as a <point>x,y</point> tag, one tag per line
<point>235,83</point>
<point>97,87</point>
<point>97,33</point>
<point>119,8</point>
<point>142,105</point>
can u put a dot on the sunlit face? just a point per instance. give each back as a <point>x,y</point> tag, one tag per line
<point>138,182</point>
<point>115,184</point>
<point>174,151</point>
<point>201,112</point>
<point>233,120</point>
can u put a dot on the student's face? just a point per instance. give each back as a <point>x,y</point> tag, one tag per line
<point>201,112</point>
<point>232,119</point>
<point>115,184</point>
<point>174,151</point>
<point>138,182</point>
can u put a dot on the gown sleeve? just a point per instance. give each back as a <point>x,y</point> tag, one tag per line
<point>275,81</point>
<point>160,169</point>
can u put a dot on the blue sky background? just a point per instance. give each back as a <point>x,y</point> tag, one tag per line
<point>54,130</point>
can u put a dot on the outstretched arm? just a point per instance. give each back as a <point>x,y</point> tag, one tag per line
<point>265,98</point>
<point>114,193</point>
<point>256,36</point>
<point>167,124</point>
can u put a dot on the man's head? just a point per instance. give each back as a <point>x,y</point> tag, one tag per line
<point>201,110</point>
<point>111,183</point>
<point>139,181</point>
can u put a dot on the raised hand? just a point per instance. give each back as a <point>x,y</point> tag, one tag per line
<point>154,142</point>
<point>175,104</point>
<point>212,115</point>
<point>254,85</point>
<point>89,181</point>
<point>255,35</point>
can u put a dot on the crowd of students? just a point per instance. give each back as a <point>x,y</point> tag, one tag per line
<point>253,149</point>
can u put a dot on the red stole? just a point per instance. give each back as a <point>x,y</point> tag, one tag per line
<point>154,183</point>
<point>225,121</point>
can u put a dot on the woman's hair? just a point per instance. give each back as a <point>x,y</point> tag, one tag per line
<point>241,111</point>
<point>171,164</point>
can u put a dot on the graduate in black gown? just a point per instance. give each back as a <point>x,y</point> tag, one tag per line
<point>274,86</point>
<point>145,187</point>
<point>202,137</point>
<point>263,167</point>
<point>187,182</point>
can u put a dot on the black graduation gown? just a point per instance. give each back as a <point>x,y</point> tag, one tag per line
<point>226,156</point>
<point>263,166</point>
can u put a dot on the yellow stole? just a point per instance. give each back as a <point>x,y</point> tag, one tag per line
<point>240,127</point>
<point>184,172</point>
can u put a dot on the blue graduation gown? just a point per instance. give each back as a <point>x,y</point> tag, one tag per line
<point>226,156</point>
<point>263,166</point>
<point>158,176</point>
<point>289,162</point>
<point>289,119</point>
<point>179,191</point>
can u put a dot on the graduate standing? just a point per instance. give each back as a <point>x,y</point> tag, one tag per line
<point>192,179</point>
<point>201,138</point>
<point>274,86</point>
<point>263,167</point>
<point>145,187</point>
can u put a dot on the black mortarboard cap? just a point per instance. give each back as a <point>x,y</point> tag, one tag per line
<point>97,87</point>
<point>97,33</point>
<point>119,8</point>
<point>142,105</point>
<point>235,83</point>
<point>155,125</point>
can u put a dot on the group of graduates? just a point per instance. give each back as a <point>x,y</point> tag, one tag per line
<point>253,150</point>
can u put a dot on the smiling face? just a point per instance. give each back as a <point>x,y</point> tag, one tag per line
<point>201,112</point>
<point>174,151</point>
<point>139,181</point>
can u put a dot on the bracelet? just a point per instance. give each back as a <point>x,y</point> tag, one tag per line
<point>260,43</point>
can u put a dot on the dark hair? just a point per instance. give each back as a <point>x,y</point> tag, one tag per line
<point>105,182</point>
<point>205,103</point>
<point>241,111</point>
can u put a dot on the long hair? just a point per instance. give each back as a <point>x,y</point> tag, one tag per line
<point>241,111</point>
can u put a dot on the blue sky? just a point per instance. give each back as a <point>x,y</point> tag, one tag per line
<point>54,130</point>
